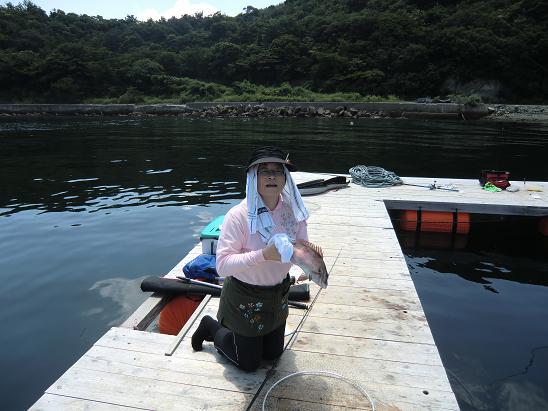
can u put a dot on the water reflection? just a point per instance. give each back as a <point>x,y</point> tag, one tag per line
<point>103,197</point>
<point>121,292</point>
<point>471,268</point>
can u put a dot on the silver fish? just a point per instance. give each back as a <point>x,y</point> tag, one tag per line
<point>309,257</point>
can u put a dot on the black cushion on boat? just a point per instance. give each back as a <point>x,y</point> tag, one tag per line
<point>171,286</point>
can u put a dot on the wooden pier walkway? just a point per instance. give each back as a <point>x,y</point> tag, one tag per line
<point>368,325</point>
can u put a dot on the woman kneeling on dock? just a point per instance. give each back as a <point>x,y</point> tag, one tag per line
<point>253,306</point>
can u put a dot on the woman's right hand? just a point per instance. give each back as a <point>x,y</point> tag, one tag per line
<point>270,252</point>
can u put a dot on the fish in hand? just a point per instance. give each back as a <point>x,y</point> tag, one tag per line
<point>309,257</point>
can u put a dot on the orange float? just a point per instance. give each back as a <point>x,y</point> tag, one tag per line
<point>177,312</point>
<point>435,221</point>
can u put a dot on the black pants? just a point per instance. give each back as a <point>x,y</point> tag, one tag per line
<point>247,352</point>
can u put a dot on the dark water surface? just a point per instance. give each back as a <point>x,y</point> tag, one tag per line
<point>90,206</point>
<point>485,299</point>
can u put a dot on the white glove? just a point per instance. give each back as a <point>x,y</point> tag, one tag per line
<point>283,245</point>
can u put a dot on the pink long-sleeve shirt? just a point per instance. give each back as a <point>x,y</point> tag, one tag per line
<point>239,253</point>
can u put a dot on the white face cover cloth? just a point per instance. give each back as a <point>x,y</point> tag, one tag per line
<point>258,216</point>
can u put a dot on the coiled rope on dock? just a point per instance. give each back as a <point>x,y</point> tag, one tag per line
<point>372,176</point>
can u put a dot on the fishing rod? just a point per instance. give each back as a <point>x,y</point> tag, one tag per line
<point>432,187</point>
<point>196,282</point>
<point>185,280</point>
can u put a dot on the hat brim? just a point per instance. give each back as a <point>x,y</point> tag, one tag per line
<point>290,167</point>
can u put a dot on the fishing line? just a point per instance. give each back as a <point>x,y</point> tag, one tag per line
<point>287,334</point>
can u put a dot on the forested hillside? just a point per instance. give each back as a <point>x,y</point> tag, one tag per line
<point>407,48</point>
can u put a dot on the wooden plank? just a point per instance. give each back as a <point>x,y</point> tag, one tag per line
<point>356,235</point>
<point>356,246</point>
<point>357,347</point>
<point>360,241</point>
<point>407,330</point>
<point>142,392</point>
<point>348,213</point>
<point>325,221</point>
<point>153,343</point>
<point>221,376</point>
<point>358,253</point>
<point>348,267</point>
<point>347,311</point>
<point>366,254</point>
<point>51,402</point>
<point>403,300</point>
<point>135,340</point>
<point>352,204</point>
<point>372,282</point>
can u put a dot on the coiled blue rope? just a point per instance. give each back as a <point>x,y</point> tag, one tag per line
<point>372,176</point>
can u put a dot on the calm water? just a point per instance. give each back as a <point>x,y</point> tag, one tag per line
<point>90,206</point>
<point>485,300</point>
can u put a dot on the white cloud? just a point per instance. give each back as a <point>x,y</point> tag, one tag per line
<point>180,8</point>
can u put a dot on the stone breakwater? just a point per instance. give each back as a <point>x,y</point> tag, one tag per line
<point>258,110</point>
<point>515,112</point>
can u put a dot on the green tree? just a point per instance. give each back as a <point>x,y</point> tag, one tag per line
<point>140,73</point>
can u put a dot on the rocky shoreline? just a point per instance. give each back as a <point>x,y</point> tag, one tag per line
<point>402,110</point>
<point>517,112</point>
<point>259,110</point>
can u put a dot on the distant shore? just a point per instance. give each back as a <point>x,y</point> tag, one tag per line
<point>261,110</point>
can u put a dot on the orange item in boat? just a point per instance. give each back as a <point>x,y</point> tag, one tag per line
<point>177,312</point>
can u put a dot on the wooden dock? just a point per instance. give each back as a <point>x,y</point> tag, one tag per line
<point>367,326</point>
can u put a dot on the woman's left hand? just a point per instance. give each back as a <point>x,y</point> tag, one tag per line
<point>270,253</point>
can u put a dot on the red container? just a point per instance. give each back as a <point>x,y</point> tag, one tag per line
<point>499,179</point>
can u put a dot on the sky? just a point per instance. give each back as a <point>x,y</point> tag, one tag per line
<point>145,9</point>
